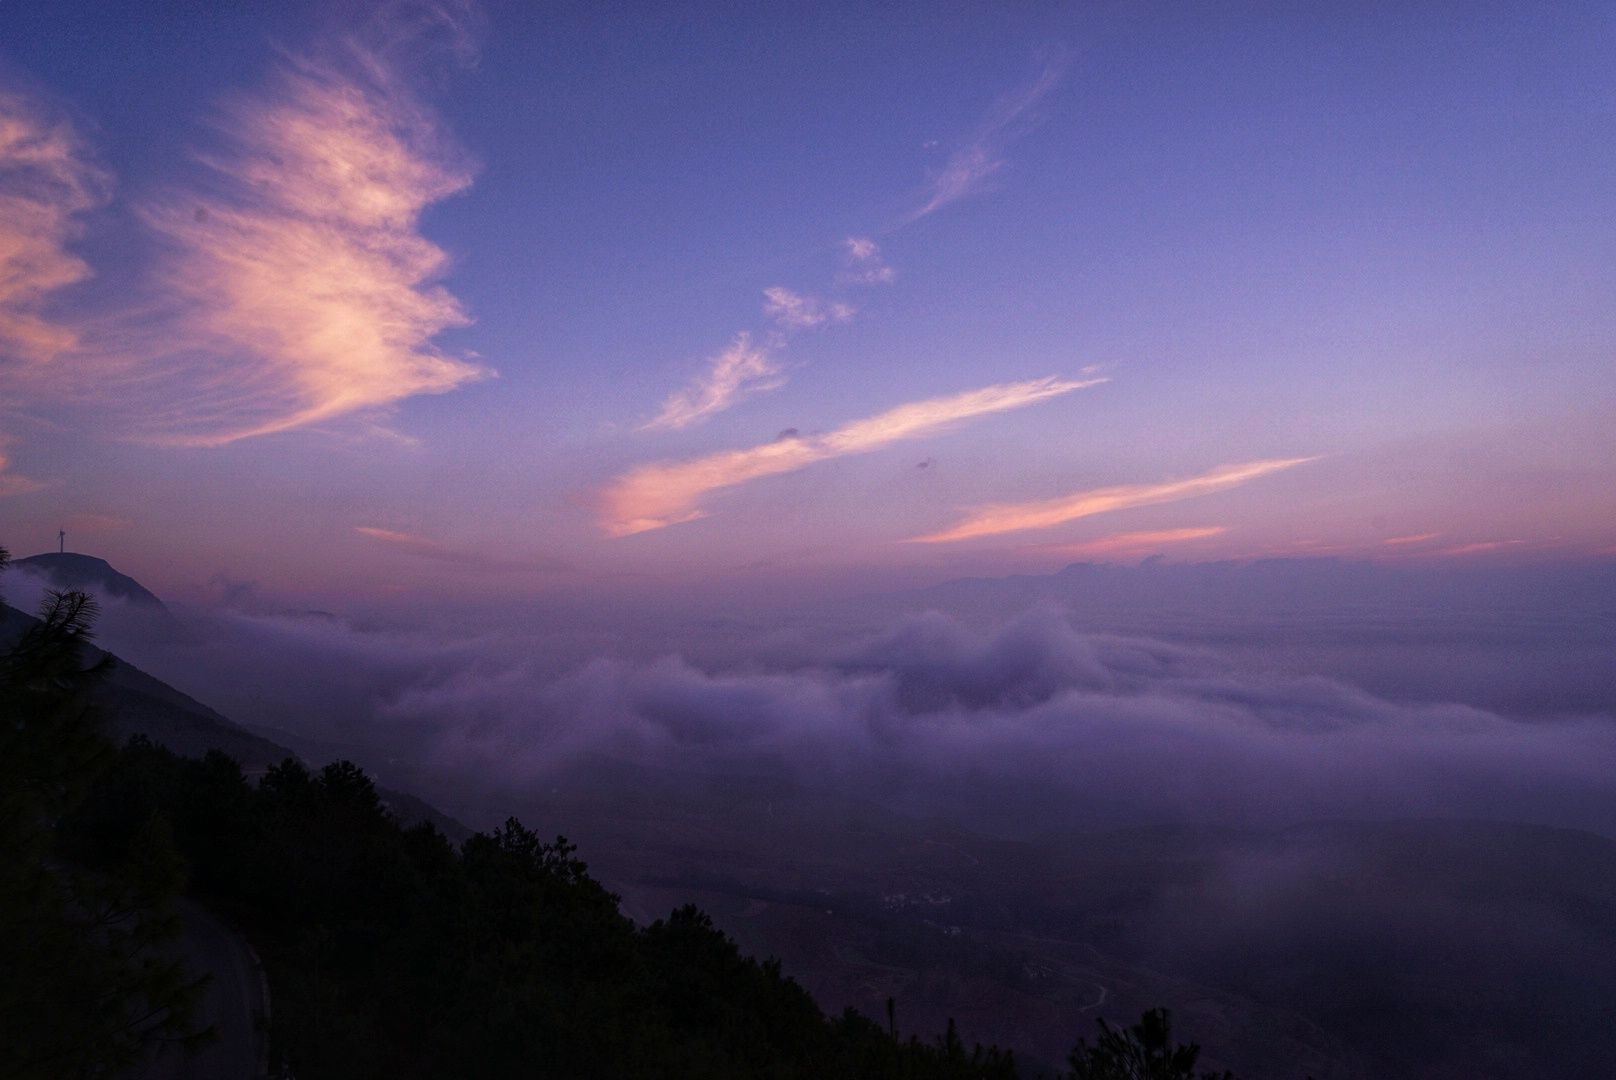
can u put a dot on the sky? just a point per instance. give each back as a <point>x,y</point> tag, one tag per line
<point>366,300</point>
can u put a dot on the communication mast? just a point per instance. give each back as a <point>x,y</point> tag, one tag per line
<point>61,541</point>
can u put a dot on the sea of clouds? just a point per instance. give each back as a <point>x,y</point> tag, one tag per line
<point>1016,721</point>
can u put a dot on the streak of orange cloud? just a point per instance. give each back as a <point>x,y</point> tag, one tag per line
<point>306,290</point>
<point>667,493</point>
<point>1130,543</point>
<point>1420,538</point>
<point>996,519</point>
<point>46,182</point>
<point>1479,548</point>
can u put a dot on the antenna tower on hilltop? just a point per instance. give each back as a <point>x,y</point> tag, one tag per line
<point>61,541</point>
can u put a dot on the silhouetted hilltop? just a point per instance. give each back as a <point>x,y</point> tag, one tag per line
<point>86,573</point>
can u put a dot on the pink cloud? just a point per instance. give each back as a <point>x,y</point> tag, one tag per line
<point>865,265</point>
<point>1481,547</point>
<point>670,492</point>
<point>997,519</point>
<point>741,370</point>
<point>46,183</point>
<point>1403,541</point>
<point>793,311</point>
<point>305,289</point>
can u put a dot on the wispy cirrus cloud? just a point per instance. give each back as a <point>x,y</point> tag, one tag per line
<point>970,166</point>
<point>1480,547</point>
<point>304,289</point>
<point>741,370</point>
<point>794,311</point>
<point>746,367</point>
<point>1131,543</point>
<point>998,519</point>
<point>427,548</point>
<point>46,183</point>
<point>667,493</point>
<point>865,266</point>
<point>1404,541</point>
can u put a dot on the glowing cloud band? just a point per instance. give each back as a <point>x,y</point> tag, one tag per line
<point>667,493</point>
<point>995,520</point>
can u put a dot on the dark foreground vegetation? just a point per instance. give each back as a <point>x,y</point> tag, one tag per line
<point>389,951</point>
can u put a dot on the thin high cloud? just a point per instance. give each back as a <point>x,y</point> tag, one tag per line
<point>738,373</point>
<point>998,519</point>
<point>307,292</point>
<point>1131,543</point>
<point>46,184</point>
<point>743,369</point>
<point>969,167</point>
<point>747,367</point>
<point>426,547</point>
<point>667,493</point>
<point>1480,547</point>
<point>1404,541</point>
<point>793,311</point>
<point>865,266</point>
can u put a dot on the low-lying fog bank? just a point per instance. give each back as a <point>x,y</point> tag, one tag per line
<point>1000,704</point>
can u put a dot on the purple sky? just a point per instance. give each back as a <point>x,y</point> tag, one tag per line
<point>509,300</point>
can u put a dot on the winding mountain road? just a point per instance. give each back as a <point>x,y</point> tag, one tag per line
<point>235,1002</point>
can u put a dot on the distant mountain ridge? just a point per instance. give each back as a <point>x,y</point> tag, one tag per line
<point>87,573</point>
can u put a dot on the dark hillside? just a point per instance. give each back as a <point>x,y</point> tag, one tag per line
<point>391,953</point>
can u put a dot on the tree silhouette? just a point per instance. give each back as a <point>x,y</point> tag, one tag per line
<point>1144,1051</point>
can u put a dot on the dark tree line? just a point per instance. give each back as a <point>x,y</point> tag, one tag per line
<point>391,953</point>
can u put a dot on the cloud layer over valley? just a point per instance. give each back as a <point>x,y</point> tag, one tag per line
<point>1016,724</point>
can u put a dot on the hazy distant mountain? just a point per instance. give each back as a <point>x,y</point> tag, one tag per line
<point>86,573</point>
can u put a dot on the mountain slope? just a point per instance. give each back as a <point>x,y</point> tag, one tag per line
<point>86,573</point>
